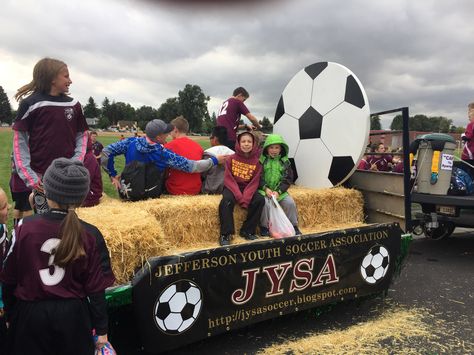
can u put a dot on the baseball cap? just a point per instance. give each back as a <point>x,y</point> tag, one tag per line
<point>156,127</point>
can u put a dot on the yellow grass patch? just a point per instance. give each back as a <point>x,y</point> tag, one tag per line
<point>136,231</point>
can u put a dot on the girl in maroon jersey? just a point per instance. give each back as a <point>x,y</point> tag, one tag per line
<point>49,125</point>
<point>56,272</point>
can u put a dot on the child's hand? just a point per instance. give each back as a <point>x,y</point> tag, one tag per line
<point>268,192</point>
<point>2,312</point>
<point>115,180</point>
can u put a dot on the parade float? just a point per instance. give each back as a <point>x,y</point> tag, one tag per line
<point>176,285</point>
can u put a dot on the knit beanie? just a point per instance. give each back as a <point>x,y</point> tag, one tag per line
<point>66,182</point>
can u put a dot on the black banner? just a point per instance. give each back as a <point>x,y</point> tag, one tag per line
<point>184,298</point>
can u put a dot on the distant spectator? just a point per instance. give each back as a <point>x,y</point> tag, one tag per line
<point>180,182</point>
<point>397,164</point>
<point>96,145</point>
<point>364,162</point>
<point>380,162</point>
<point>92,165</point>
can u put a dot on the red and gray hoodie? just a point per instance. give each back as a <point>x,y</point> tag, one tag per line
<point>242,172</point>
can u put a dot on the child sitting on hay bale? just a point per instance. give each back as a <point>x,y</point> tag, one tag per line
<point>277,176</point>
<point>150,149</point>
<point>241,180</point>
<point>213,179</point>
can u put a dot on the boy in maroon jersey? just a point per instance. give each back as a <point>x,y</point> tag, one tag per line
<point>229,115</point>
<point>49,124</point>
<point>56,272</point>
<point>181,182</point>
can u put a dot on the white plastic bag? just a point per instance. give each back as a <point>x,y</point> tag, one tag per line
<point>278,223</point>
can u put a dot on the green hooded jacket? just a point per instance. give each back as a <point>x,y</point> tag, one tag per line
<point>277,174</point>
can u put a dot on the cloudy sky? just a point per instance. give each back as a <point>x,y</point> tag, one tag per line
<point>406,53</point>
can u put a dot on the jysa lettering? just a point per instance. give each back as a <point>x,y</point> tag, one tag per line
<point>303,276</point>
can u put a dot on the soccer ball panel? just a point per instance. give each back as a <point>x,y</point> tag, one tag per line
<point>173,321</point>
<point>377,260</point>
<point>310,124</point>
<point>315,69</point>
<point>297,94</point>
<point>193,295</point>
<point>345,130</point>
<point>168,293</point>
<point>313,157</point>
<point>354,95</point>
<point>186,324</point>
<point>329,88</point>
<point>197,308</point>
<point>177,302</point>
<point>366,261</point>
<point>341,169</point>
<point>288,128</point>
<point>378,274</point>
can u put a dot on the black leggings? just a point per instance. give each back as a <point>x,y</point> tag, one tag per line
<point>226,213</point>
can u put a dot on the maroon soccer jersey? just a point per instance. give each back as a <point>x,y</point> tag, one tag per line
<point>30,265</point>
<point>52,123</point>
<point>229,116</point>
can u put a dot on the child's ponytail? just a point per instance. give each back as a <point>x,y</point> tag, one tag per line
<point>71,247</point>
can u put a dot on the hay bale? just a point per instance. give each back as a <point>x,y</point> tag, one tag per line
<point>135,231</point>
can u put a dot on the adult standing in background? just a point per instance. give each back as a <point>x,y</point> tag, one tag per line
<point>230,112</point>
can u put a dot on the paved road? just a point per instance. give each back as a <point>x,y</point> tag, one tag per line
<point>438,277</point>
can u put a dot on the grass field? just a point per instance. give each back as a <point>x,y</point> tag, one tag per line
<point>105,138</point>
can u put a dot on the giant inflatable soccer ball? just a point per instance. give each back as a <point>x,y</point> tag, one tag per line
<point>324,116</point>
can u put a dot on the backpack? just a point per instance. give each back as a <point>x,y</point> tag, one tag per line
<point>461,183</point>
<point>140,181</point>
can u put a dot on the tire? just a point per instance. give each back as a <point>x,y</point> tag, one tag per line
<point>444,230</point>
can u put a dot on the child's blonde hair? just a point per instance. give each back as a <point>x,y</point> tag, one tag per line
<point>44,73</point>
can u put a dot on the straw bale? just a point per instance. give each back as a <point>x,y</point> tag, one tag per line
<point>135,231</point>
<point>395,326</point>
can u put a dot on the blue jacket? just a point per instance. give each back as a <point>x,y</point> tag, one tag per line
<point>139,149</point>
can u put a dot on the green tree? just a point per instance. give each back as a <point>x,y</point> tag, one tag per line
<point>193,106</point>
<point>103,122</point>
<point>91,110</point>
<point>106,112</point>
<point>209,123</point>
<point>124,111</point>
<point>375,123</point>
<point>5,107</point>
<point>169,109</point>
<point>423,123</point>
<point>145,114</point>
<point>267,126</point>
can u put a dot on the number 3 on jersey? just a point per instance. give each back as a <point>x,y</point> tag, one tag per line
<point>46,277</point>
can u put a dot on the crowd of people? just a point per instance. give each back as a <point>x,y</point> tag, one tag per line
<point>377,159</point>
<point>54,267</point>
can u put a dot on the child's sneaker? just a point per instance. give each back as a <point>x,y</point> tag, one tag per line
<point>297,230</point>
<point>248,236</point>
<point>224,239</point>
<point>264,232</point>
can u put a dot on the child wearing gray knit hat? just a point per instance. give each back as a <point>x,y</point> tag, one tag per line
<point>66,182</point>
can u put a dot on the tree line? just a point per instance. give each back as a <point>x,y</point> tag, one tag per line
<point>191,103</point>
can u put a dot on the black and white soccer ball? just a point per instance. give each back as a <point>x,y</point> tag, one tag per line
<point>324,116</point>
<point>375,264</point>
<point>178,307</point>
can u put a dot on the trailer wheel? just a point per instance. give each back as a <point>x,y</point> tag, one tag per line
<point>444,230</point>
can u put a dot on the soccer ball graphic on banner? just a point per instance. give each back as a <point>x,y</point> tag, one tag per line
<point>178,307</point>
<point>324,116</point>
<point>375,264</point>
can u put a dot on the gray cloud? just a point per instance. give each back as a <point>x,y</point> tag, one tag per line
<point>405,53</point>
